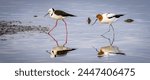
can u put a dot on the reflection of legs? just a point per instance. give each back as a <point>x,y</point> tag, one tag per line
<point>113,34</point>
<point>111,42</point>
<point>107,39</point>
<point>51,35</point>
<point>106,32</point>
<point>66,32</point>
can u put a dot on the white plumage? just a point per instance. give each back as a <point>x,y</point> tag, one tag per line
<point>58,14</point>
<point>54,16</point>
<point>108,18</point>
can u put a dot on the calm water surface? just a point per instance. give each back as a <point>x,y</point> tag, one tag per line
<point>133,39</point>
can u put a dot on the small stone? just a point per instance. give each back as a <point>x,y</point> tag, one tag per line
<point>129,20</point>
<point>89,20</point>
<point>35,16</point>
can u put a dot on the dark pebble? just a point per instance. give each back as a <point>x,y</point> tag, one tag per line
<point>35,16</point>
<point>89,20</point>
<point>129,20</point>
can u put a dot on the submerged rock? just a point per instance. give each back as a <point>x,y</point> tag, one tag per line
<point>12,27</point>
<point>89,20</point>
<point>35,16</point>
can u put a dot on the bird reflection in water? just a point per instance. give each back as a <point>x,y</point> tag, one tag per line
<point>110,49</point>
<point>60,51</point>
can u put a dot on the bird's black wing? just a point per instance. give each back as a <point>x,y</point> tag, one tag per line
<point>65,51</point>
<point>62,13</point>
<point>116,16</point>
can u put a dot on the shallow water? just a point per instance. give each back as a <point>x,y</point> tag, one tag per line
<point>132,38</point>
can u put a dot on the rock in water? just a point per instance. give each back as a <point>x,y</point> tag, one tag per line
<point>35,16</point>
<point>129,20</point>
<point>89,20</point>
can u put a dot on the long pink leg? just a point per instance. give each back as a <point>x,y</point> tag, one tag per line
<point>52,30</point>
<point>66,32</point>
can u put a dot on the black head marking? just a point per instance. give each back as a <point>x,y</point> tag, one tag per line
<point>53,9</point>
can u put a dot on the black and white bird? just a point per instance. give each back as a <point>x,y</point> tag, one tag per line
<point>60,51</point>
<point>59,15</point>
<point>107,18</point>
<point>109,50</point>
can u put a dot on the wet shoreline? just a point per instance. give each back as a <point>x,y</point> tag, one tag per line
<point>13,27</point>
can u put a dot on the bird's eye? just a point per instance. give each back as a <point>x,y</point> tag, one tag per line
<point>52,52</point>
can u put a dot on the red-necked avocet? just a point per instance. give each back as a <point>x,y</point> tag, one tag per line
<point>107,18</point>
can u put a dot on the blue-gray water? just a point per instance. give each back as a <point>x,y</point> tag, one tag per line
<point>132,38</point>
